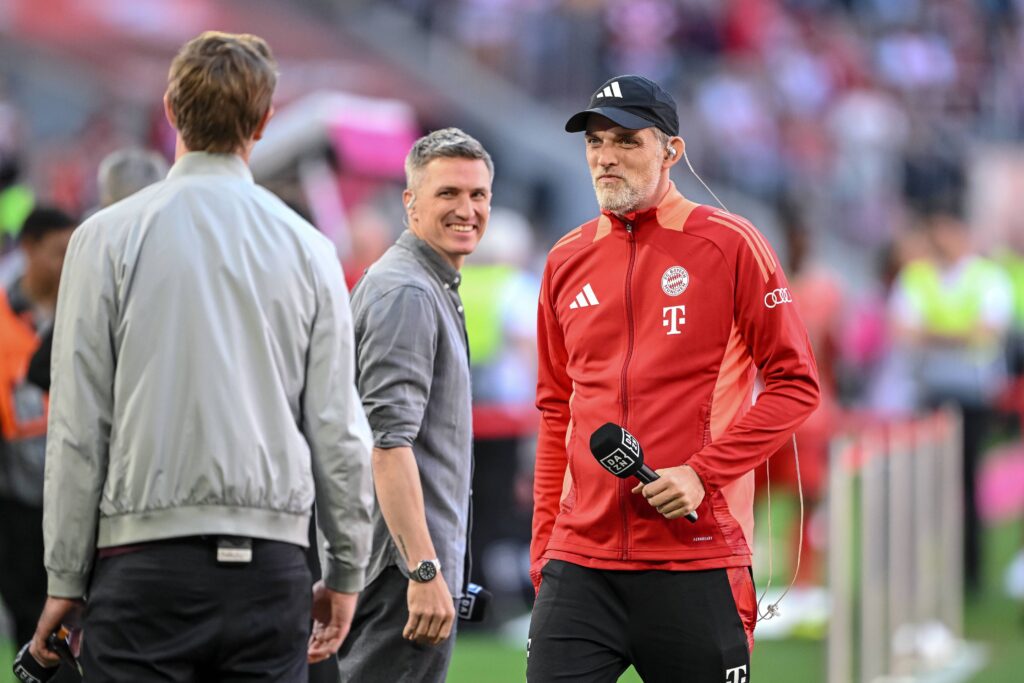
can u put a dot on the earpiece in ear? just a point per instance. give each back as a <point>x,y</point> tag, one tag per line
<point>672,151</point>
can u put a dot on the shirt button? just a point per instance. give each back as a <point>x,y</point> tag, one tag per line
<point>460,309</point>
<point>447,286</point>
<point>456,280</point>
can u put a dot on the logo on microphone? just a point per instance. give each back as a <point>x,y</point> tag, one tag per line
<point>675,281</point>
<point>617,461</point>
<point>777,297</point>
<point>631,444</point>
<point>621,459</point>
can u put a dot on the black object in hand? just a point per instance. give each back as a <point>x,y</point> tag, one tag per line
<point>473,605</point>
<point>28,669</point>
<point>620,453</point>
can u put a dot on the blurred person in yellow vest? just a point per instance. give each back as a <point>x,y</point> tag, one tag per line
<point>501,308</point>
<point>26,311</point>
<point>952,311</point>
<point>16,197</point>
<point>16,202</point>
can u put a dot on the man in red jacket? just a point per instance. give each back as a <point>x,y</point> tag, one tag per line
<point>661,315</point>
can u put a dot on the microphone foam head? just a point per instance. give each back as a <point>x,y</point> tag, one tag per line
<point>616,450</point>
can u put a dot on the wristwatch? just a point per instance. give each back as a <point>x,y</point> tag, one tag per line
<point>425,571</point>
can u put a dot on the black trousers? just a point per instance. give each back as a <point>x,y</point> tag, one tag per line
<point>170,612</point>
<point>22,575</point>
<point>589,625</point>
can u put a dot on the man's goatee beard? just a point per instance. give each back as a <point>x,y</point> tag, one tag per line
<point>621,201</point>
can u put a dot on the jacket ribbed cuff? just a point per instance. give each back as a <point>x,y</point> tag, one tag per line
<point>702,473</point>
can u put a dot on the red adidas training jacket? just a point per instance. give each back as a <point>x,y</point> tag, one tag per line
<point>660,324</point>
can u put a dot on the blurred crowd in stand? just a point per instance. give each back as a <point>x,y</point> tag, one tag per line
<point>865,126</point>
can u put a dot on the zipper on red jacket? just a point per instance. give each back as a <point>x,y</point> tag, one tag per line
<point>624,486</point>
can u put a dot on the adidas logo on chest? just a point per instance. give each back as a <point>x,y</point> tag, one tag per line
<point>585,298</point>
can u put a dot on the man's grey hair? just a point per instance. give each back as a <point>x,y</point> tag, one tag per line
<point>448,143</point>
<point>126,171</point>
<point>662,137</point>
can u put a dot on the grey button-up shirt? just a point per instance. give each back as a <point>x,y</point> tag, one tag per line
<point>413,377</point>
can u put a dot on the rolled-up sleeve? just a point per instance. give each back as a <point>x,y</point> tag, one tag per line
<point>81,407</point>
<point>396,347</point>
<point>338,435</point>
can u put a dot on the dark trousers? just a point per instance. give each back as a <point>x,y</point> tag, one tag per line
<point>22,575</point>
<point>169,612</point>
<point>673,627</point>
<point>976,423</point>
<point>376,652</point>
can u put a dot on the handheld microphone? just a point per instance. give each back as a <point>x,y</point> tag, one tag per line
<point>473,605</point>
<point>30,670</point>
<point>619,452</point>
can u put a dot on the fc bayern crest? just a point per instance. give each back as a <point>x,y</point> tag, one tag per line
<point>675,281</point>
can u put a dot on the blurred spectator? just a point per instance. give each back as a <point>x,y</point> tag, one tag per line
<point>16,199</point>
<point>639,38</point>
<point>124,172</point>
<point>879,365</point>
<point>121,174</point>
<point>819,298</point>
<point>953,311</point>
<point>869,129</point>
<point>26,311</point>
<point>371,236</point>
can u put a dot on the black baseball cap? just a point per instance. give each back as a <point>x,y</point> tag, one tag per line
<point>632,102</point>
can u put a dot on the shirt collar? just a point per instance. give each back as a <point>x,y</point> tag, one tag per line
<point>434,262</point>
<point>208,163</point>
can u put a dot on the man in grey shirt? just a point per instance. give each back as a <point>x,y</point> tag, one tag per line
<point>203,390</point>
<point>413,377</point>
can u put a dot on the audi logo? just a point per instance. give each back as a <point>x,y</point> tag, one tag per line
<point>777,297</point>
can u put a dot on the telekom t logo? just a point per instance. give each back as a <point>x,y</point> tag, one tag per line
<point>736,674</point>
<point>673,317</point>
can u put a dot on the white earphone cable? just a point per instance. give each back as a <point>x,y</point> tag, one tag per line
<point>772,610</point>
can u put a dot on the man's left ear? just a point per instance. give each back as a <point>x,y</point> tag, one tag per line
<point>258,135</point>
<point>674,150</point>
<point>168,113</point>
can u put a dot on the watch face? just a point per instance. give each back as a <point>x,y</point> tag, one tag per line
<point>426,571</point>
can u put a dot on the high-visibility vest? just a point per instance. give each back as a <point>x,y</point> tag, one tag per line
<point>23,407</point>
<point>951,309</point>
<point>482,291</point>
<point>1013,266</point>
<point>16,204</point>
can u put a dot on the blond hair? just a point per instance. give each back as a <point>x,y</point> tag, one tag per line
<point>219,88</point>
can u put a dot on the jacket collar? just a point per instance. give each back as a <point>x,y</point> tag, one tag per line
<point>670,212</point>
<point>433,261</point>
<point>207,163</point>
